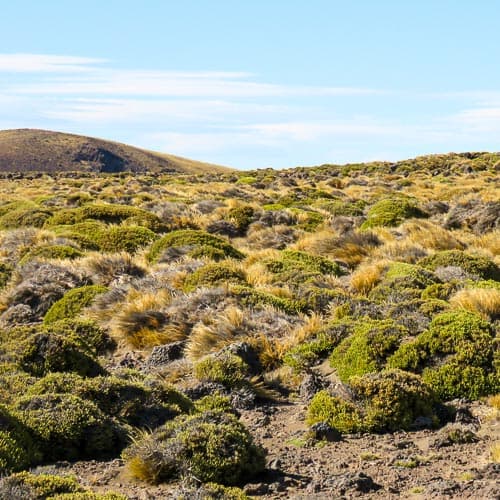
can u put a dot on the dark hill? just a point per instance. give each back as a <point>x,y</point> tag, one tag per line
<point>31,150</point>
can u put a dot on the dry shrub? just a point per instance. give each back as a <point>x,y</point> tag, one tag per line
<point>484,301</point>
<point>401,251</point>
<point>141,323</point>
<point>368,275</point>
<point>431,236</point>
<point>208,338</point>
<point>105,268</point>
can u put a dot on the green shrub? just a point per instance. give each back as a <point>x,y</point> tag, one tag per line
<point>226,369</point>
<point>17,450</point>
<point>213,275</point>
<point>72,303</point>
<point>391,212</point>
<point>455,356</point>
<point>309,353</point>
<point>29,217</point>
<point>393,399</point>
<point>473,264</point>
<point>294,260</point>
<point>109,214</point>
<point>86,234</point>
<point>47,352</point>
<point>241,217</point>
<point>249,297</point>
<point>440,291</point>
<point>345,208</point>
<point>88,495</point>
<point>338,413</point>
<point>42,486</point>
<point>83,332</point>
<point>192,239</point>
<point>5,274</point>
<point>214,402</point>
<point>416,275</point>
<point>132,402</point>
<point>125,238</point>
<point>368,348</point>
<point>51,252</point>
<point>212,446</point>
<point>66,427</point>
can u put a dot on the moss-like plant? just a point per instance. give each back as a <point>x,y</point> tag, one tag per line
<point>249,297</point>
<point>391,212</point>
<point>125,238</point>
<point>367,349</point>
<point>66,427</point>
<point>72,303</point>
<point>474,264</point>
<point>5,274</point>
<point>226,369</point>
<point>191,239</point>
<point>212,446</point>
<point>393,399</point>
<point>17,450</point>
<point>241,217</point>
<point>213,275</point>
<point>294,260</point>
<point>309,353</point>
<point>47,352</point>
<point>456,356</point>
<point>336,412</point>
<point>51,252</point>
<point>109,214</point>
<point>29,217</point>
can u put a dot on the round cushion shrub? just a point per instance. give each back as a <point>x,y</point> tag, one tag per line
<point>72,303</point>
<point>391,212</point>
<point>106,213</point>
<point>66,427</point>
<point>17,450</point>
<point>455,356</point>
<point>393,400</point>
<point>29,217</point>
<point>47,352</point>
<point>211,447</point>
<point>124,238</point>
<point>214,274</point>
<point>477,265</point>
<point>51,252</point>
<point>224,368</point>
<point>190,239</point>
<point>367,349</point>
<point>295,260</point>
<point>342,415</point>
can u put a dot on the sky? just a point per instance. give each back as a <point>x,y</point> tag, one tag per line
<point>257,83</point>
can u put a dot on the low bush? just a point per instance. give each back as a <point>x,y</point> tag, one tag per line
<point>225,368</point>
<point>391,212</point>
<point>190,240</point>
<point>29,217</point>
<point>213,275</point>
<point>212,446</point>
<point>367,349</point>
<point>51,252</point>
<point>473,264</point>
<point>66,427</point>
<point>294,260</point>
<point>72,303</point>
<point>456,356</point>
<point>125,238</point>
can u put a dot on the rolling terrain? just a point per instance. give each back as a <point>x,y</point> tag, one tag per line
<point>30,150</point>
<point>309,333</point>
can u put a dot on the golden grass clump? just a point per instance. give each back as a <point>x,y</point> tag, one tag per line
<point>208,338</point>
<point>140,323</point>
<point>484,301</point>
<point>431,236</point>
<point>368,274</point>
<point>495,452</point>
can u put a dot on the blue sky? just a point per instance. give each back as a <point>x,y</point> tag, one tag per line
<point>257,83</point>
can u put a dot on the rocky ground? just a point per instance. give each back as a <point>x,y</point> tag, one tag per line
<point>420,465</point>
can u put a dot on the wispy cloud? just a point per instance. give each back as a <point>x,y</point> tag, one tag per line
<point>236,117</point>
<point>41,63</point>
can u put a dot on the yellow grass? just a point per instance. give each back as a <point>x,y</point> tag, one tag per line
<point>484,301</point>
<point>367,275</point>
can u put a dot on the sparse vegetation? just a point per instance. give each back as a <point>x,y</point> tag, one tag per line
<point>146,312</point>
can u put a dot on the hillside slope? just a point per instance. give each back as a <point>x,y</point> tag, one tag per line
<point>31,150</point>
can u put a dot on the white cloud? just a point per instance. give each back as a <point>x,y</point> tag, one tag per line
<point>42,63</point>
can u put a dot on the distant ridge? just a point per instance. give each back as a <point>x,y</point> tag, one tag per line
<point>33,150</point>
